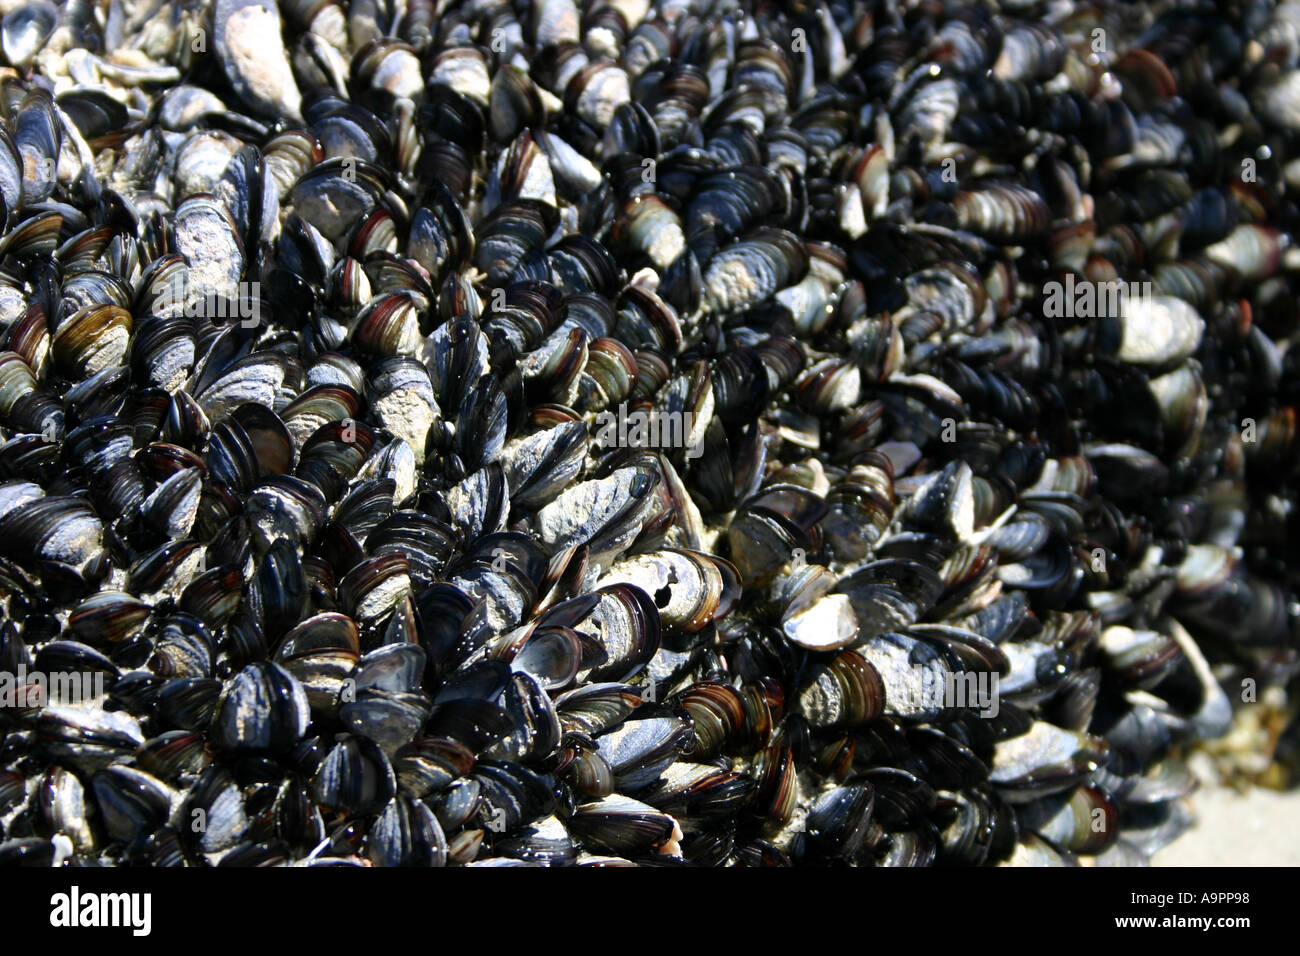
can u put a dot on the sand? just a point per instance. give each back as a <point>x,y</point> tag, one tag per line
<point>1257,828</point>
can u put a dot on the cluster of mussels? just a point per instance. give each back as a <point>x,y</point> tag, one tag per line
<point>308,313</point>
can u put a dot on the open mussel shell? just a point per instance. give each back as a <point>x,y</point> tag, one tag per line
<point>25,29</point>
<point>551,656</point>
<point>824,624</point>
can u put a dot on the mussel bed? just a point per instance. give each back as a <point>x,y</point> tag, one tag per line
<point>642,432</point>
